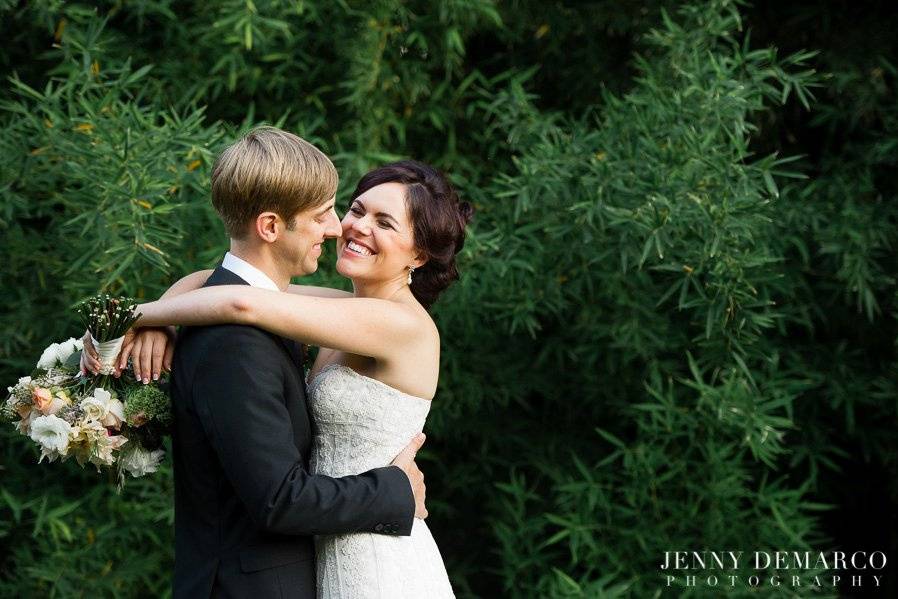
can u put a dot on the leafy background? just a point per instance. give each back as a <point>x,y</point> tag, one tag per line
<point>676,325</point>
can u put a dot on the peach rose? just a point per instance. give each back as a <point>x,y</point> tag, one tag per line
<point>42,399</point>
<point>49,404</point>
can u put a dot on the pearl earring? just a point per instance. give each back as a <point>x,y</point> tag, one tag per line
<point>411,269</point>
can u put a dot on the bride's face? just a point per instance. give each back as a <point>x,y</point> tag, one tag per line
<point>378,240</point>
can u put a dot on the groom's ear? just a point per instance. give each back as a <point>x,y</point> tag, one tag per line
<point>266,226</point>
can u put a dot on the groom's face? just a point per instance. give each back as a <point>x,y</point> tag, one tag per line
<point>300,245</point>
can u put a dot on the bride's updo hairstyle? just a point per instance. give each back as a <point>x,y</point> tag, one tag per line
<point>438,222</point>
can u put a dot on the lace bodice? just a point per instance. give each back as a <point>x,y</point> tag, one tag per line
<point>360,424</point>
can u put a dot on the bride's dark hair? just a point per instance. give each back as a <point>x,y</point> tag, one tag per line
<point>438,222</point>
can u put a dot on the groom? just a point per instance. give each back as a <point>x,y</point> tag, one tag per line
<point>246,506</point>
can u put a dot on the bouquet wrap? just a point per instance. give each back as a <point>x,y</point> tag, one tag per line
<point>108,352</point>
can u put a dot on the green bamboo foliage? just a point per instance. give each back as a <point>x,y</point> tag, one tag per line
<point>642,242</point>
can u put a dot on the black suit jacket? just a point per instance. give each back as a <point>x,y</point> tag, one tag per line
<point>246,506</point>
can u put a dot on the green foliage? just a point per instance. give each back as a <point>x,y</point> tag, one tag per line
<point>147,402</point>
<point>677,313</point>
<point>76,536</point>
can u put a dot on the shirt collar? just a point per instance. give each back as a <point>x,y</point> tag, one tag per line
<point>248,272</point>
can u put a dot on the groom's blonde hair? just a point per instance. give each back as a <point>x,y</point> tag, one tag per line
<point>269,170</point>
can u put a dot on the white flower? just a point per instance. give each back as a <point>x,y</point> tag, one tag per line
<point>69,347</point>
<point>103,408</point>
<point>106,444</point>
<point>58,353</point>
<point>49,357</point>
<point>94,408</point>
<point>140,462</point>
<point>52,433</point>
<point>84,438</point>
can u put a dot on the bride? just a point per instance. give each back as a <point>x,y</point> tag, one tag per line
<point>371,386</point>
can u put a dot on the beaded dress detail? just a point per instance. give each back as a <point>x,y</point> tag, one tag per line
<point>360,424</point>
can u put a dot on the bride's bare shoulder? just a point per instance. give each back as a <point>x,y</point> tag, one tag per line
<point>422,318</point>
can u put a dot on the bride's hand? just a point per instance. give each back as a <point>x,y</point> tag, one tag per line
<point>90,359</point>
<point>151,350</point>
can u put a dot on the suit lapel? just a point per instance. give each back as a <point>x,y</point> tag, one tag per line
<point>223,276</point>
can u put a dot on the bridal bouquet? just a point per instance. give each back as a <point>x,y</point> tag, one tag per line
<point>116,424</point>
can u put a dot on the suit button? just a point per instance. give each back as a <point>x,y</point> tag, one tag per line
<point>378,528</point>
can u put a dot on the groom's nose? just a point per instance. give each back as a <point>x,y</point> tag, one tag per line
<point>333,227</point>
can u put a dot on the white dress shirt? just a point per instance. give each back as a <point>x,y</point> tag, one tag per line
<point>248,272</point>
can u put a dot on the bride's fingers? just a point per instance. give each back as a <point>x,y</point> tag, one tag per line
<point>146,361</point>
<point>169,355</point>
<point>136,348</point>
<point>123,357</point>
<point>89,348</point>
<point>137,357</point>
<point>158,354</point>
<point>89,364</point>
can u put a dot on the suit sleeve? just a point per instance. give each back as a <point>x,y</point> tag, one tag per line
<point>239,396</point>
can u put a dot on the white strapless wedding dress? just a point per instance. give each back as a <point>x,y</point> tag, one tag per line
<point>362,423</point>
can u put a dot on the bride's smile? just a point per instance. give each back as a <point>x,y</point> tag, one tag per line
<point>356,248</point>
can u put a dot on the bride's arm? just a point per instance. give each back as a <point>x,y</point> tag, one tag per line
<point>196,279</point>
<point>187,283</point>
<point>151,349</point>
<point>364,326</point>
